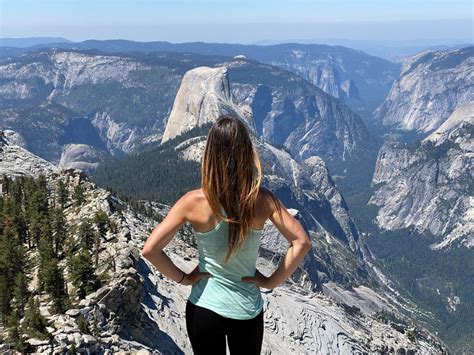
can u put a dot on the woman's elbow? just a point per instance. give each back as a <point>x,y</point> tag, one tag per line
<point>146,252</point>
<point>306,244</point>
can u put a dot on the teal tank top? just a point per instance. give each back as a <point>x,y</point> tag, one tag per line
<point>223,292</point>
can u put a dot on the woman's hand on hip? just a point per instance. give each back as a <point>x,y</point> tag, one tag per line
<point>194,276</point>
<point>259,279</point>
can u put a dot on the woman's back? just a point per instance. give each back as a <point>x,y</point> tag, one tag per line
<point>226,282</point>
<point>224,292</point>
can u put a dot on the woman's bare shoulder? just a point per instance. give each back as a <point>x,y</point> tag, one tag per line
<point>194,197</point>
<point>194,202</point>
<point>265,201</point>
<point>264,194</point>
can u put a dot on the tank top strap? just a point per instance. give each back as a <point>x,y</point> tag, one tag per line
<point>223,211</point>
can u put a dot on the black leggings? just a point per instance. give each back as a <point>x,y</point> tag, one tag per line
<point>207,331</point>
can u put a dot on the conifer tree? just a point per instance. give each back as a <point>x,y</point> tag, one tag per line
<point>85,234</point>
<point>78,195</point>
<point>14,207</point>
<point>59,227</point>
<point>35,322</point>
<point>51,277</point>
<point>14,333</point>
<point>11,263</point>
<point>37,207</point>
<point>62,194</point>
<point>82,273</point>
<point>5,182</point>
<point>21,293</point>
<point>101,220</point>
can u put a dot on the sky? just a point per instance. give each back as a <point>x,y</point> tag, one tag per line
<point>242,21</point>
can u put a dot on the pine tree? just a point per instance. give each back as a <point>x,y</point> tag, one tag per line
<point>35,322</point>
<point>5,297</point>
<point>82,273</point>
<point>82,325</point>
<point>50,276</point>
<point>58,223</point>
<point>5,182</point>
<point>14,208</point>
<point>62,194</point>
<point>73,350</point>
<point>86,234</point>
<point>20,293</point>
<point>11,263</point>
<point>39,198</point>
<point>101,220</point>
<point>37,207</point>
<point>46,254</point>
<point>78,195</point>
<point>14,333</point>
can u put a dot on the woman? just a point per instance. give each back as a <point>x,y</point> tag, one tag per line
<point>227,214</point>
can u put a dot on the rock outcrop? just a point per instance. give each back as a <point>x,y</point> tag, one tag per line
<point>287,112</point>
<point>429,185</point>
<point>432,85</point>
<point>290,112</point>
<point>15,160</point>
<point>81,156</point>
<point>204,94</point>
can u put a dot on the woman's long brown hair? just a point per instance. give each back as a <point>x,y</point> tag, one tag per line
<point>231,175</point>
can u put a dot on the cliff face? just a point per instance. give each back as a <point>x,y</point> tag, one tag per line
<point>281,108</point>
<point>429,185</point>
<point>432,85</point>
<point>140,309</point>
<point>204,94</point>
<point>290,112</point>
<point>81,156</point>
<point>360,80</point>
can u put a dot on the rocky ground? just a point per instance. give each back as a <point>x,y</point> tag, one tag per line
<point>138,310</point>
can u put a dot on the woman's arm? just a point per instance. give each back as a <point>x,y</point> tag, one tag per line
<point>162,235</point>
<point>292,230</point>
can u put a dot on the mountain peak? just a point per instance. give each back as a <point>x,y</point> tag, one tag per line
<point>204,94</point>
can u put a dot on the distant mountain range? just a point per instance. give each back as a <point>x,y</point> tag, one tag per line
<point>388,49</point>
<point>115,103</point>
<point>359,79</point>
<point>391,50</point>
<point>31,41</point>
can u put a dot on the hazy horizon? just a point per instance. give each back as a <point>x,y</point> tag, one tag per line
<point>272,41</point>
<point>230,21</point>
